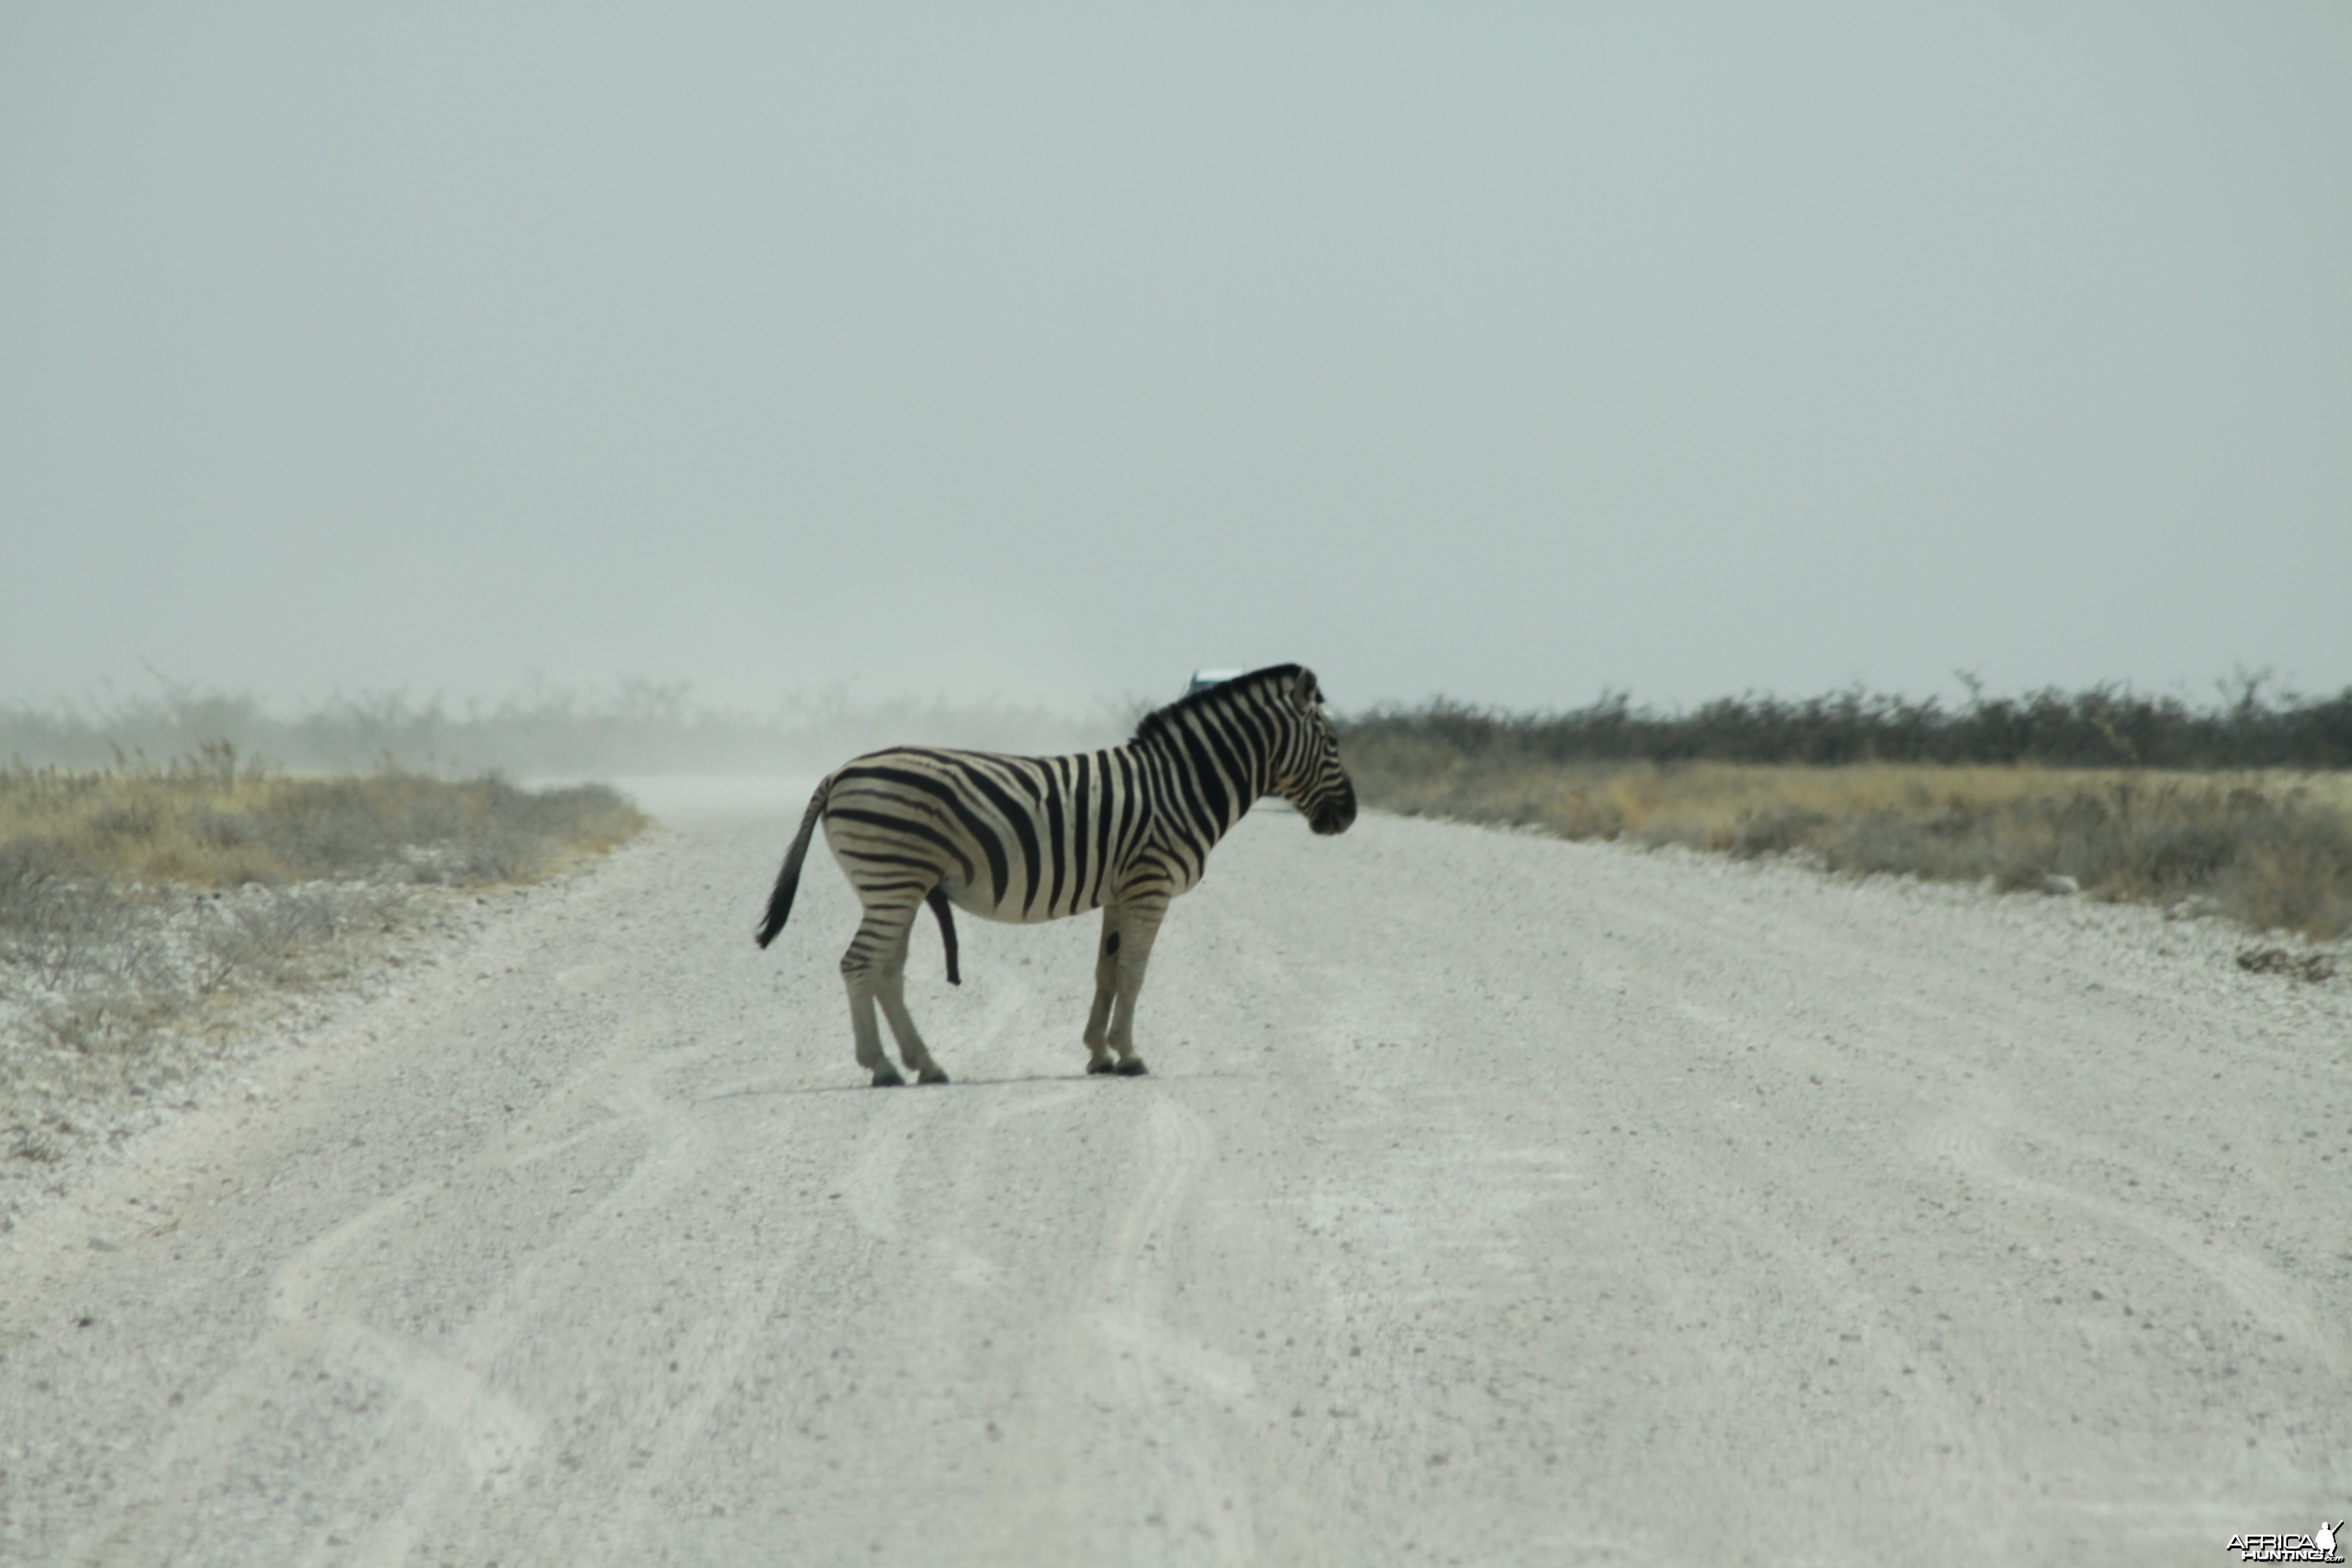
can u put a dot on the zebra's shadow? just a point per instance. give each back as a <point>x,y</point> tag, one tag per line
<point>762,1091</point>
<point>767,1090</point>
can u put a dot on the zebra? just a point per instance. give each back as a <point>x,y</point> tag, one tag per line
<point>1038,838</point>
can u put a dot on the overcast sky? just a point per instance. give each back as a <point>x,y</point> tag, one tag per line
<point>1044,352</point>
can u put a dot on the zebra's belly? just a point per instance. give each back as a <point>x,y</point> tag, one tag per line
<point>981,901</point>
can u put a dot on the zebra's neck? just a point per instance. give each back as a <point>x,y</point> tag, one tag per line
<point>1216,765</point>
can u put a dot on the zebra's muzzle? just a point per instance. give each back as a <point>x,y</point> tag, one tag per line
<point>1335,811</point>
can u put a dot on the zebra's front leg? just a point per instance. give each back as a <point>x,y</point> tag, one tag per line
<point>1098,1034</point>
<point>1139,928</point>
<point>882,933</point>
<point>891,990</point>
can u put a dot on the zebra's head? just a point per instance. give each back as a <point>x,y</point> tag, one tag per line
<point>1306,771</point>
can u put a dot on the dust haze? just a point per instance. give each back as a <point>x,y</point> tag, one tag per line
<point>1037,356</point>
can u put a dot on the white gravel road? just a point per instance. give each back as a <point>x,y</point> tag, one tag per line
<point>1493,1200</point>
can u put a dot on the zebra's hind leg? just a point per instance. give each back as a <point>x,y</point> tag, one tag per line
<point>879,934</point>
<point>891,990</point>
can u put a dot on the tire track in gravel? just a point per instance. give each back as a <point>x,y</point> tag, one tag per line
<point>2281,1305</point>
<point>442,1404</point>
<point>1165,1378</point>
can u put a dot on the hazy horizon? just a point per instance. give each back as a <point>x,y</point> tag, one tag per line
<point>1039,356</point>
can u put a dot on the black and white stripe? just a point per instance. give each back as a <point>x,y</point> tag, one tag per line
<point>1123,830</point>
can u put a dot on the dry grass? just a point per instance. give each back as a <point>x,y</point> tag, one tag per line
<point>2273,850</point>
<point>209,822</point>
<point>144,911</point>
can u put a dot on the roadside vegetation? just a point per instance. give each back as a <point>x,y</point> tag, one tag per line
<point>147,913</point>
<point>2244,811</point>
<point>635,727</point>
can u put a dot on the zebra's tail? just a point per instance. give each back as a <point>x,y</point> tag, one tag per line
<point>788,881</point>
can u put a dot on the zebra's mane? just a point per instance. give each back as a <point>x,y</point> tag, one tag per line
<point>1158,721</point>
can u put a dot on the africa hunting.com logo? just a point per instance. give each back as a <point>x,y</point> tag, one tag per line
<point>2318,1547</point>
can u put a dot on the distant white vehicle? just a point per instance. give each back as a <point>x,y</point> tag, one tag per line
<point>1204,678</point>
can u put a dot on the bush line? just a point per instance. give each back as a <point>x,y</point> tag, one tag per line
<point>2103,727</point>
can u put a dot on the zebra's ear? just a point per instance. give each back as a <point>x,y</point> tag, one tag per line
<point>1304,692</point>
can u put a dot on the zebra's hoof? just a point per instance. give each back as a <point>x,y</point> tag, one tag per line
<point>933,1075</point>
<point>1101,1065</point>
<point>886,1078</point>
<point>1132,1067</point>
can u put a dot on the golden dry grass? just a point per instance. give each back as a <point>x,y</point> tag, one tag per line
<point>2272,848</point>
<point>207,822</point>
<point>146,906</point>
